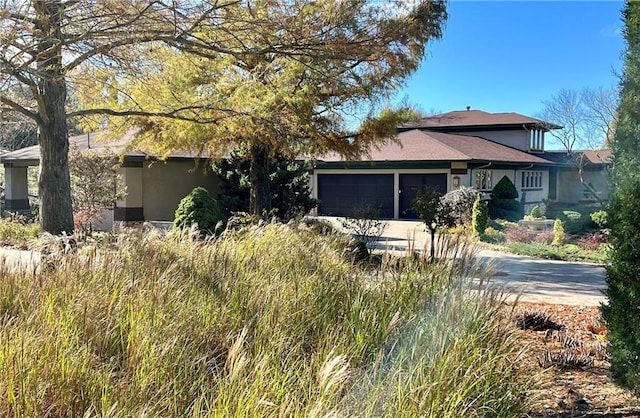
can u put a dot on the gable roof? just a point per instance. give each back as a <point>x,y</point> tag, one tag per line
<point>417,145</point>
<point>472,119</point>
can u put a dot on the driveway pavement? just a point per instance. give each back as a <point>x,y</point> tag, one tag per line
<point>529,279</point>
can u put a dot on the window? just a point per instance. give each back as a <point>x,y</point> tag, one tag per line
<point>483,180</point>
<point>536,140</point>
<point>531,180</point>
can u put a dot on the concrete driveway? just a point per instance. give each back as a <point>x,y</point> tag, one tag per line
<point>530,279</point>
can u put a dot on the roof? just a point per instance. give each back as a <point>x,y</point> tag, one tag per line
<point>417,145</point>
<point>95,141</point>
<point>467,119</point>
<point>593,157</point>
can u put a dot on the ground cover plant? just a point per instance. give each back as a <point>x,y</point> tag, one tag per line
<point>184,326</point>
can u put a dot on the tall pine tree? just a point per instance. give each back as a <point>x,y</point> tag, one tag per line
<point>622,312</point>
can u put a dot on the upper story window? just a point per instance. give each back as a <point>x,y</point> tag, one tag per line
<point>483,180</point>
<point>536,140</point>
<point>531,180</point>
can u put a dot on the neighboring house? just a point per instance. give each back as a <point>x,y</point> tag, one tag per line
<point>154,188</point>
<point>461,148</point>
<point>580,177</point>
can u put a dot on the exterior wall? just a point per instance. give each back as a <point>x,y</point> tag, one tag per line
<point>529,196</point>
<point>515,139</point>
<point>166,183</point>
<point>571,190</point>
<point>396,180</point>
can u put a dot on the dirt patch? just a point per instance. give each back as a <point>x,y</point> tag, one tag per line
<point>572,362</point>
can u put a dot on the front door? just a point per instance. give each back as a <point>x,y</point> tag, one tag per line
<point>410,184</point>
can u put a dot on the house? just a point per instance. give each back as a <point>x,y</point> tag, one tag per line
<point>447,151</point>
<point>154,188</point>
<point>579,177</point>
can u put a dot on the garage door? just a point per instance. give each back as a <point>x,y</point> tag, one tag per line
<point>410,184</point>
<point>341,194</point>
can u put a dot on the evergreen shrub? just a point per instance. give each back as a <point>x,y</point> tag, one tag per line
<point>200,209</point>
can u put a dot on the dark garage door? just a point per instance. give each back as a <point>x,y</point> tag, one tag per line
<point>411,183</point>
<point>340,194</point>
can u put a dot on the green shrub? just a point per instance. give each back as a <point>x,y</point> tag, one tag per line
<point>503,203</point>
<point>480,216</point>
<point>536,213</point>
<point>505,189</point>
<point>493,236</point>
<point>14,232</point>
<point>573,221</point>
<point>199,209</point>
<point>558,232</point>
<point>600,218</point>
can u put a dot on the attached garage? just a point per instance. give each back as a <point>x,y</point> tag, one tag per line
<point>340,194</point>
<point>410,184</point>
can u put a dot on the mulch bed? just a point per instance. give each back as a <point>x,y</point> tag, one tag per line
<point>569,353</point>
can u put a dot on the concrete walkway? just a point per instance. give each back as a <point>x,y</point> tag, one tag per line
<point>530,279</point>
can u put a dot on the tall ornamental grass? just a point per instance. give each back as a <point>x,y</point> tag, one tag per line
<point>262,322</point>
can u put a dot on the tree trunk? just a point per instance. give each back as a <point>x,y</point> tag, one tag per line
<point>260,195</point>
<point>54,186</point>
<point>433,245</point>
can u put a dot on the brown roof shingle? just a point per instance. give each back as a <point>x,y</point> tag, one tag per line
<point>416,145</point>
<point>473,119</point>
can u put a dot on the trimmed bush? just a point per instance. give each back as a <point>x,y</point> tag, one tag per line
<point>200,209</point>
<point>599,218</point>
<point>536,213</point>
<point>573,222</point>
<point>503,203</point>
<point>505,189</point>
<point>558,233</point>
<point>480,216</point>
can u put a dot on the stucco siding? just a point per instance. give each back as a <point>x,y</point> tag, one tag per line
<point>166,183</point>
<point>518,139</point>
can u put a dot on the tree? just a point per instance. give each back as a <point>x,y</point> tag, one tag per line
<point>94,186</point>
<point>622,309</point>
<point>46,42</point>
<point>287,82</point>
<point>288,184</point>
<point>589,119</point>
<point>434,211</point>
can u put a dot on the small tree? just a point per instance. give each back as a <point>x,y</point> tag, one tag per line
<point>199,209</point>
<point>480,216</point>
<point>365,225</point>
<point>94,186</point>
<point>503,201</point>
<point>434,212</point>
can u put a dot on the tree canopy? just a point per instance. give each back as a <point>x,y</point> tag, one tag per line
<point>44,43</point>
<point>275,77</point>
<point>622,310</point>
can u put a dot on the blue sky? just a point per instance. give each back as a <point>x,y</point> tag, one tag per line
<point>509,56</point>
